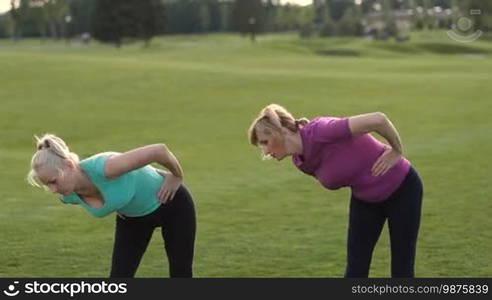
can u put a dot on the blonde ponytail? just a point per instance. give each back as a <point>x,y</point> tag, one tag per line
<point>271,120</point>
<point>51,152</point>
<point>301,122</point>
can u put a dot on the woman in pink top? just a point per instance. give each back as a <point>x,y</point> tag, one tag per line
<point>341,152</point>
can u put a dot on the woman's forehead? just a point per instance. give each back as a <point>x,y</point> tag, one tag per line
<point>46,173</point>
<point>262,135</point>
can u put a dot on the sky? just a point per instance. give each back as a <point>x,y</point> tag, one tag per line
<point>5,4</point>
<point>300,2</point>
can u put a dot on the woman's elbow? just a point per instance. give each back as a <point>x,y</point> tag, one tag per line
<point>160,152</point>
<point>380,119</point>
<point>160,147</point>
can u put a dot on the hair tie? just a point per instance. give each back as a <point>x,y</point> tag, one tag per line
<point>44,145</point>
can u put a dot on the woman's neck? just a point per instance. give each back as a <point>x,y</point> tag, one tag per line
<point>83,185</point>
<point>293,143</point>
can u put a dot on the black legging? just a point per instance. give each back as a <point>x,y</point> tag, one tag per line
<point>402,209</point>
<point>178,226</point>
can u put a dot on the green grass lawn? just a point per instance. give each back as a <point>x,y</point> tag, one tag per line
<point>256,218</point>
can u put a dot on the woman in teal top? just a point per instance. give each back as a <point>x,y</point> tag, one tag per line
<point>142,196</point>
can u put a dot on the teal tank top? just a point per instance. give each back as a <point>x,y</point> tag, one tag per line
<point>133,194</point>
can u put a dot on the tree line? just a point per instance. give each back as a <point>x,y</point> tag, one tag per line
<point>119,21</point>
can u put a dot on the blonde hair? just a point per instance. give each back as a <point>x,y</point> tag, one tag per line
<point>51,152</point>
<point>271,120</point>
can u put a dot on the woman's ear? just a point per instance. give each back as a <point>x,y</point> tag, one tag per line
<point>69,164</point>
<point>286,131</point>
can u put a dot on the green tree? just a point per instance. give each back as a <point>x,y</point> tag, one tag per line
<point>18,15</point>
<point>348,24</point>
<point>248,16</point>
<point>82,12</point>
<point>3,26</point>
<point>271,15</point>
<point>134,19</point>
<point>226,9</point>
<point>110,20</point>
<point>149,19</point>
<point>183,16</point>
<point>306,22</point>
<point>40,19</point>
<point>204,17</point>
<point>54,13</point>
<point>480,11</point>
<point>215,19</point>
<point>322,12</point>
<point>427,18</point>
<point>337,8</point>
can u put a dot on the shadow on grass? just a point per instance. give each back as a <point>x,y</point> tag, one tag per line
<point>405,48</point>
<point>486,36</point>
<point>338,52</point>
<point>446,48</point>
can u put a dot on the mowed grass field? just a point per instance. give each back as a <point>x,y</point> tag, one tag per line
<point>198,94</point>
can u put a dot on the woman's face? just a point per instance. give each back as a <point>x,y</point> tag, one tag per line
<point>271,145</point>
<point>58,181</point>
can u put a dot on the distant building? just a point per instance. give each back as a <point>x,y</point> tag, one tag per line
<point>377,24</point>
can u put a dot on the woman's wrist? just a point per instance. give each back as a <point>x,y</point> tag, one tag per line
<point>180,176</point>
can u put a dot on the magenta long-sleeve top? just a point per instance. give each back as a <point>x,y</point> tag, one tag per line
<point>337,158</point>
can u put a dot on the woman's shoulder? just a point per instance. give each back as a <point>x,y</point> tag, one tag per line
<point>98,157</point>
<point>95,163</point>
<point>327,129</point>
<point>324,119</point>
<point>319,121</point>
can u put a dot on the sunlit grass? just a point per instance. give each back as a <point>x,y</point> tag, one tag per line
<point>198,94</point>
